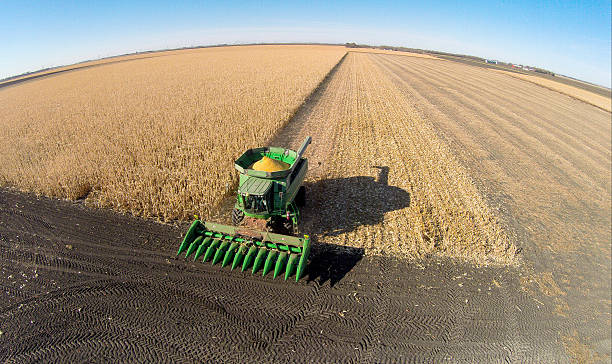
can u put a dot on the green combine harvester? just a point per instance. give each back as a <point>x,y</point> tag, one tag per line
<point>266,216</point>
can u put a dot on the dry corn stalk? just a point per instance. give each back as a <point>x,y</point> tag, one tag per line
<point>155,136</point>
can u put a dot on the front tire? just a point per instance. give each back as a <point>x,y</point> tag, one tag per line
<point>237,216</point>
<point>289,225</point>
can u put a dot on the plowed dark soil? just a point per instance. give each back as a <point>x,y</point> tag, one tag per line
<point>90,285</point>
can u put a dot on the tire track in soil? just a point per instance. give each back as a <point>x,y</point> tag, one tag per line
<point>371,343</point>
<point>125,294</point>
<point>286,338</point>
<point>193,311</point>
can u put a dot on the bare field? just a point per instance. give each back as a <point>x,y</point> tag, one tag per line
<point>155,136</point>
<point>391,52</point>
<point>386,182</point>
<point>545,151</point>
<point>600,101</point>
<point>116,294</point>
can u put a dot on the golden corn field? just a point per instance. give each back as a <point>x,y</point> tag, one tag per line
<point>87,64</point>
<point>155,136</point>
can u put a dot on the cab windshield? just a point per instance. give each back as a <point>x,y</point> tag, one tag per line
<point>255,204</point>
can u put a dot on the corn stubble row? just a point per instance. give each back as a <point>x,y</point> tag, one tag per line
<point>157,136</point>
<point>429,204</point>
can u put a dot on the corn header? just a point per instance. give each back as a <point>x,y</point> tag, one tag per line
<point>266,215</point>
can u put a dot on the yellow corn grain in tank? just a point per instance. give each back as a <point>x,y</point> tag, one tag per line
<point>268,164</point>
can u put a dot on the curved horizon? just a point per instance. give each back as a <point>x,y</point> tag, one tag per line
<point>568,38</point>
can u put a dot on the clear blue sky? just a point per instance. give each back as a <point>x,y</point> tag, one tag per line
<point>568,37</point>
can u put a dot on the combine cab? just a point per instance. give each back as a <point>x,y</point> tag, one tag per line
<point>266,217</point>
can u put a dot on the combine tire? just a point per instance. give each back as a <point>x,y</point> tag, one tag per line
<point>237,216</point>
<point>288,227</point>
<point>300,198</point>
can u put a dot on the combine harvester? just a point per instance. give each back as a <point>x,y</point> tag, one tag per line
<point>270,193</point>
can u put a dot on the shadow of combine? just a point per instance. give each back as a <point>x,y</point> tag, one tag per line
<point>331,262</point>
<point>340,205</point>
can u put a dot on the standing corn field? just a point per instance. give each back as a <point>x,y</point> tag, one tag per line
<point>155,136</point>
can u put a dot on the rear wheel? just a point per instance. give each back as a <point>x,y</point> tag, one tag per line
<point>237,216</point>
<point>300,198</point>
<point>288,227</point>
